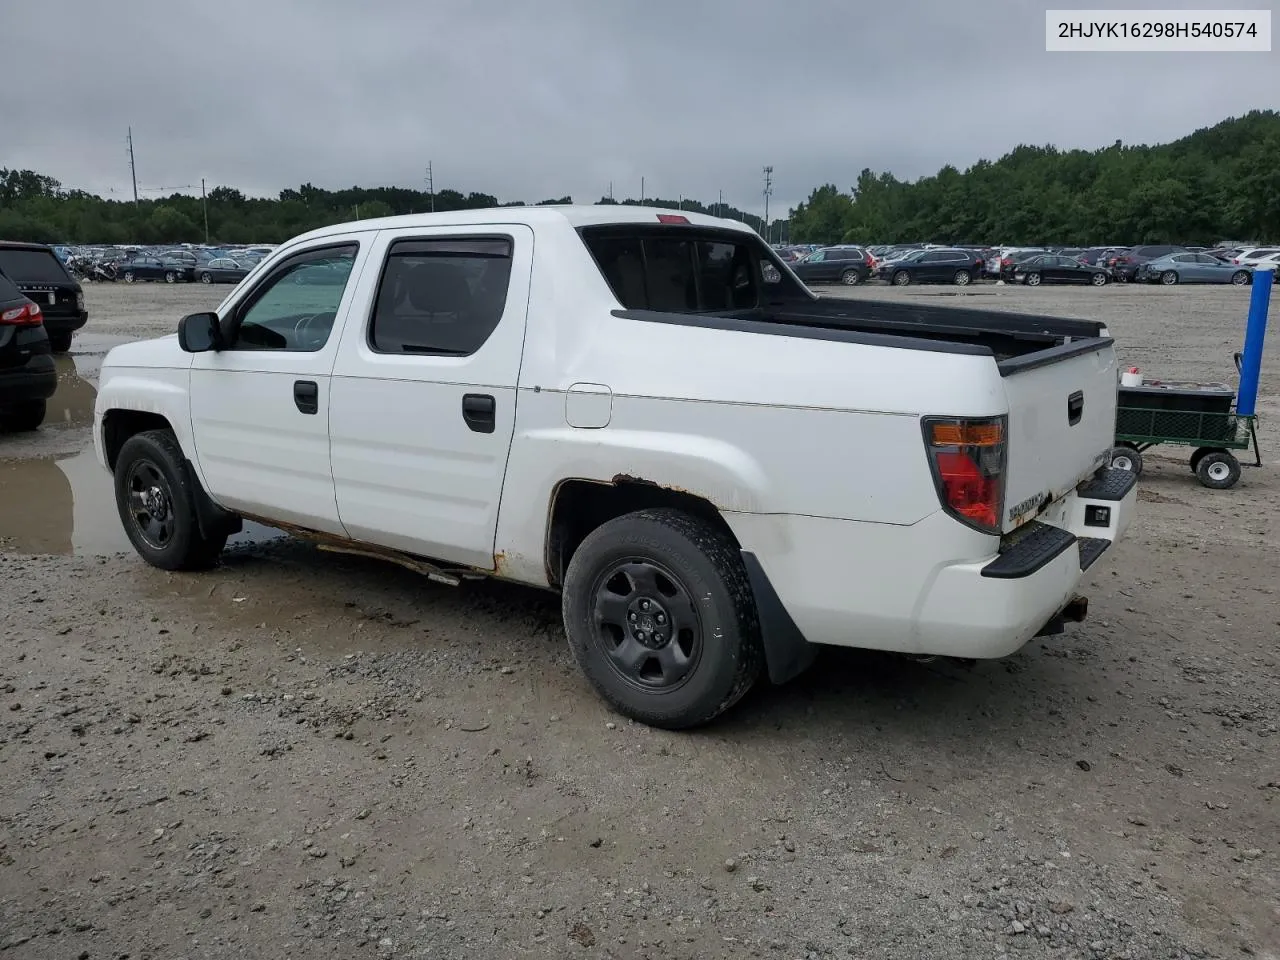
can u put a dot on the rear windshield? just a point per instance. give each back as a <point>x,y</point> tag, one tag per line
<point>32,266</point>
<point>8,292</point>
<point>678,270</point>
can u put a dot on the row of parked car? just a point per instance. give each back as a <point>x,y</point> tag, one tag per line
<point>1096,266</point>
<point>193,264</point>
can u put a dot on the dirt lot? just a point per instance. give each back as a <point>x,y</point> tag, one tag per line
<point>299,754</point>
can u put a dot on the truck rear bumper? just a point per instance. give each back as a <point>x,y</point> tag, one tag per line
<point>884,587</point>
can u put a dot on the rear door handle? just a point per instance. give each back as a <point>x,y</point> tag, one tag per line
<point>306,396</point>
<point>1075,407</point>
<point>479,410</point>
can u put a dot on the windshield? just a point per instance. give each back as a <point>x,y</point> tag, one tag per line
<point>32,266</point>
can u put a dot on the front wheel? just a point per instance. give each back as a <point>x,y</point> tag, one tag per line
<point>1240,278</point>
<point>1127,457</point>
<point>156,500</point>
<point>660,616</point>
<point>901,278</point>
<point>962,278</point>
<point>128,276</point>
<point>206,277</point>
<point>850,278</point>
<point>22,417</point>
<point>1033,279</point>
<point>1169,278</point>
<point>170,276</point>
<point>1218,470</point>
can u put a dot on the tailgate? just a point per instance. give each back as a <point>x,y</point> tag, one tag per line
<point>1062,419</point>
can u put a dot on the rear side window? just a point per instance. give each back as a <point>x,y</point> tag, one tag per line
<point>32,266</point>
<point>441,297</point>
<point>679,271</point>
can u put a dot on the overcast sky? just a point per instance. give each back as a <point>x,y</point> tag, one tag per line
<point>538,99</point>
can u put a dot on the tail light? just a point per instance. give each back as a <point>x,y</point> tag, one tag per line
<point>1236,262</point>
<point>27,315</point>
<point>1007,262</point>
<point>968,462</point>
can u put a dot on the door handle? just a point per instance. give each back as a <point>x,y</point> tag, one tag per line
<point>1075,408</point>
<point>306,396</point>
<point>479,411</point>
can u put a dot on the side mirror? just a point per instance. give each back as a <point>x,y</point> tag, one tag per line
<point>199,333</point>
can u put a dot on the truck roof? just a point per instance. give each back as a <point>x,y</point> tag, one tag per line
<point>576,215</point>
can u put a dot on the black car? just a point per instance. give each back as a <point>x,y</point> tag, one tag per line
<point>834,265</point>
<point>1126,265</point>
<point>151,268</point>
<point>1056,268</point>
<point>960,267</point>
<point>28,376</point>
<point>36,270</point>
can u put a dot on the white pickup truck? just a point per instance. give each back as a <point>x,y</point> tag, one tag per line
<point>648,412</point>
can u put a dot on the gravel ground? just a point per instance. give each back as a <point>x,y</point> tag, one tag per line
<point>301,754</point>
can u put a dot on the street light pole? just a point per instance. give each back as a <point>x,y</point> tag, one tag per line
<point>768,192</point>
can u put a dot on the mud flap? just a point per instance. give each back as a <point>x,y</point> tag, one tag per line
<point>786,652</point>
<point>213,519</point>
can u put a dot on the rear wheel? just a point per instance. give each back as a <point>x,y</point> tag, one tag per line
<point>962,278</point>
<point>1240,278</point>
<point>22,417</point>
<point>1098,279</point>
<point>660,616</point>
<point>60,342</point>
<point>850,277</point>
<point>901,278</point>
<point>1127,457</point>
<point>170,276</point>
<point>156,500</point>
<point>1218,470</point>
<point>128,276</point>
<point>1169,278</point>
<point>1033,279</point>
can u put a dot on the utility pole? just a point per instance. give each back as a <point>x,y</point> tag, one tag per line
<point>768,192</point>
<point>610,189</point>
<point>133,171</point>
<point>204,202</point>
<point>642,191</point>
<point>431,187</point>
<point>681,203</point>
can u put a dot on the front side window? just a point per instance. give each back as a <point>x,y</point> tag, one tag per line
<point>295,307</point>
<point>816,257</point>
<point>441,297</point>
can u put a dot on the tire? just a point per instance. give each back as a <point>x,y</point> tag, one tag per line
<point>170,276</point>
<point>1241,278</point>
<point>1199,455</point>
<point>151,465</point>
<point>1033,279</point>
<point>60,342</point>
<point>1098,280</point>
<point>22,417</point>
<point>1169,278</point>
<point>901,278</point>
<point>128,276</point>
<point>660,560</point>
<point>1218,470</point>
<point>962,278</point>
<point>851,278</point>
<point>1127,457</point>
<point>206,277</point>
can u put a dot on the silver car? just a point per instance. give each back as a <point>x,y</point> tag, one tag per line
<point>1195,268</point>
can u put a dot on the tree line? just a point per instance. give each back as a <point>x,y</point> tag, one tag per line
<point>1220,182</point>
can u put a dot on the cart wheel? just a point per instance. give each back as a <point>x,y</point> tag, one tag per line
<point>1126,457</point>
<point>1218,470</point>
<point>1199,455</point>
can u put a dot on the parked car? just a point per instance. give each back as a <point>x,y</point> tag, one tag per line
<point>683,511</point>
<point>1057,268</point>
<point>150,268</point>
<point>39,274</point>
<point>1011,258</point>
<point>1247,258</point>
<point>28,377</point>
<point>934,266</point>
<point>221,270</point>
<point>1125,266</point>
<point>1194,268</point>
<point>848,265</point>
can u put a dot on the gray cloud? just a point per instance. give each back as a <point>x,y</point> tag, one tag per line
<point>552,97</point>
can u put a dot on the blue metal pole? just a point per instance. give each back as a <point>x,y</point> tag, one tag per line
<point>1255,332</point>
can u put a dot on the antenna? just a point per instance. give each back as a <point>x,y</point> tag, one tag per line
<point>768,192</point>
<point>133,171</point>
<point>431,187</point>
